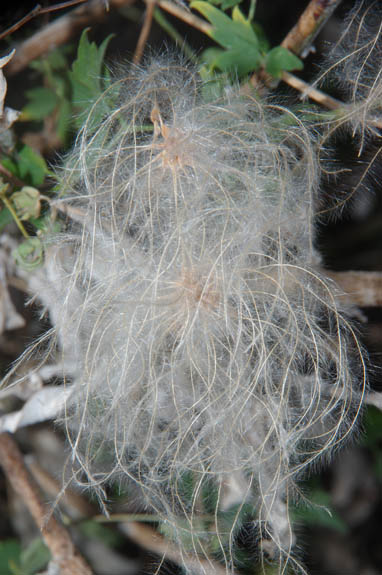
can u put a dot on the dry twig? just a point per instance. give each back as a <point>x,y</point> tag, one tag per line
<point>360,287</point>
<point>312,93</point>
<point>150,539</point>
<point>300,38</point>
<point>56,537</point>
<point>185,16</point>
<point>59,32</point>
<point>145,31</point>
<point>38,10</point>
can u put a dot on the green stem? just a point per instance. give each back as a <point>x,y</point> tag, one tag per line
<point>19,223</point>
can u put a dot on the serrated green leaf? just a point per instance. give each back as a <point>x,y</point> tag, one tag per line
<point>27,202</point>
<point>86,73</point>
<point>225,31</point>
<point>236,60</point>
<point>35,557</point>
<point>42,102</point>
<point>5,217</point>
<point>32,164</point>
<point>30,254</point>
<point>280,59</point>
<point>10,550</point>
<point>236,36</point>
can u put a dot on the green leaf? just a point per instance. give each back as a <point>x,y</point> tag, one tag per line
<point>319,512</point>
<point>86,73</point>
<point>64,120</point>
<point>10,165</point>
<point>231,60</point>
<point>93,530</point>
<point>227,32</point>
<point>226,4</point>
<point>30,254</point>
<point>27,202</point>
<point>280,59</point>
<point>5,219</point>
<point>10,550</point>
<point>236,35</point>
<point>35,557</point>
<point>42,102</point>
<point>263,40</point>
<point>31,164</point>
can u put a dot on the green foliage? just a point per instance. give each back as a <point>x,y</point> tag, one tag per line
<point>10,550</point>
<point>87,76</point>
<point>373,437</point>
<point>31,166</point>
<point>27,165</point>
<point>245,48</point>
<point>5,217</point>
<point>318,512</point>
<point>280,59</point>
<point>15,561</point>
<point>242,49</point>
<point>29,254</point>
<point>42,103</point>
<point>94,530</point>
<point>27,203</point>
<point>54,97</point>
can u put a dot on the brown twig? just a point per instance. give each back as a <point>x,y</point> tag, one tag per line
<point>56,537</point>
<point>185,16</point>
<point>10,177</point>
<point>59,32</point>
<point>150,539</point>
<point>312,93</point>
<point>360,287</point>
<point>38,10</point>
<point>78,505</point>
<point>145,31</point>
<point>300,38</point>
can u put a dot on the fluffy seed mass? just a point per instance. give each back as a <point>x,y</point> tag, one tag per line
<point>206,353</point>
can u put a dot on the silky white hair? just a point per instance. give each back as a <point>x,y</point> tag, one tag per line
<point>202,343</point>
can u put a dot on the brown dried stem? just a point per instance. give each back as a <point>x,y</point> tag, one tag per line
<point>312,93</point>
<point>360,287</point>
<point>185,16</point>
<point>38,10</point>
<point>300,38</point>
<point>56,537</point>
<point>150,539</point>
<point>145,31</point>
<point>59,32</point>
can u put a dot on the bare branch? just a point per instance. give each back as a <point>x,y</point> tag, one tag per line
<point>60,31</point>
<point>300,38</point>
<point>56,537</point>
<point>145,31</point>
<point>308,91</point>
<point>185,16</point>
<point>150,539</point>
<point>361,288</point>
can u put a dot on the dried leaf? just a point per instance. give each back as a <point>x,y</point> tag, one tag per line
<point>45,404</point>
<point>7,115</point>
